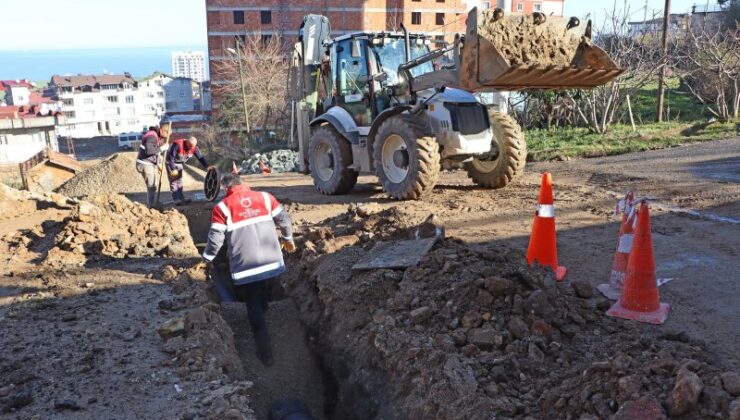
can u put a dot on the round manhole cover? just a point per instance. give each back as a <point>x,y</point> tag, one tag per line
<point>211,185</point>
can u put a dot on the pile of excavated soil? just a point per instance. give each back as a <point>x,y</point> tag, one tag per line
<point>106,226</point>
<point>116,174</point>
<point>521,42</point>
<point>473,331</point>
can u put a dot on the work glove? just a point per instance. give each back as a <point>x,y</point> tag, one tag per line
<point>288,245</point>
<point>174,173</point>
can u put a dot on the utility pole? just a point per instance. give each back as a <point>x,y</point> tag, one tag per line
<point>661,77</point>
<point>241,82</point>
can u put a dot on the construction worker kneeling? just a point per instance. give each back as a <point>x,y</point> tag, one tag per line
<point>180,152</point>
<point>244,223</point>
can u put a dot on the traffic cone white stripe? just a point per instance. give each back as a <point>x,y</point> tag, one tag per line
<point>546,210</point>
<point>625,243</point>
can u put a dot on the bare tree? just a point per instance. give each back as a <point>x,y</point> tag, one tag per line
<point>638,55</point>
<point>708,61</point>
<point>264,71</point>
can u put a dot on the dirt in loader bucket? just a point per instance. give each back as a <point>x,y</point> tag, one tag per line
<point>524,52</point>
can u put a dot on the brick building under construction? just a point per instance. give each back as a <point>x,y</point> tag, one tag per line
<point>229,19</point>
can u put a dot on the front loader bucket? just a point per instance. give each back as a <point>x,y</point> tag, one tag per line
<point>515,53</point>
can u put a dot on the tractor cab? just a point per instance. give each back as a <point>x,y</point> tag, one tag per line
<point>364,70</point>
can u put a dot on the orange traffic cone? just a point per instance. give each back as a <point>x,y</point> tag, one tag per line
<point>640,300</point>
<point>264,169</point>
<point>613,289</point>
<point>543,246</point>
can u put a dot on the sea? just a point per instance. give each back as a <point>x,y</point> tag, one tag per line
<point>40,65</point>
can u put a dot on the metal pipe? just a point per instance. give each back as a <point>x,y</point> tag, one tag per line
<point>406,42</point>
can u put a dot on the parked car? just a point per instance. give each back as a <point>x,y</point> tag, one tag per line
<point>125,140</point>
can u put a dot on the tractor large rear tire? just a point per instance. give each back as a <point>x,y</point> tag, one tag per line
<point>507,158</point>
<point>329,160</point>
<point>406,158</point>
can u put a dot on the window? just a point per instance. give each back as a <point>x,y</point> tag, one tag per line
<point>67,89</point>
<point>416,18</point>
<point>520,7</point>
<point>130,99</point>
<point>182,94</point>
<point>112,99</point>
<point>109,87</point>
<point>160,94</point>
<point>68,102</point>
<point>3,139</point>
<point>416,0</point>
<point>240,39</point>
<point>266,39</point>
<point>239,17</point>
<point>127,86</point>
<point>485,5</point>
<point>70,114</point>
<point>440,1</point>
<point>439,18</point>
<point>87,101</point>
<point>439,40</point>
<point>266,17</point>
<point>538,7</point>
<point>117,123</point>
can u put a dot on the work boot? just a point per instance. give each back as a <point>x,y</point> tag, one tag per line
<point>264,348</point>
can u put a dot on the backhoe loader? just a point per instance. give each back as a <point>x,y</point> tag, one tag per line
<point>384,103</point>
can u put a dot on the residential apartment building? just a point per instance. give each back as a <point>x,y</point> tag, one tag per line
<point>229,19</point>
<point>677,22</point>
<point>189,64</point>
<point>108,105</point>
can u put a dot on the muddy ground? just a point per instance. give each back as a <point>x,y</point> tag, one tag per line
<point>83,341</point>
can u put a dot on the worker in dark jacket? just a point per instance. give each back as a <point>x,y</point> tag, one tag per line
<point>245,221</point>
<point>180,152</point>
<point>147,161</point>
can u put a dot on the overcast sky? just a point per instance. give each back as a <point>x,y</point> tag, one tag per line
<point>71,24</point>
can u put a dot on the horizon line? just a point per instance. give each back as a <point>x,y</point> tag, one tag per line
<point>181,46</point>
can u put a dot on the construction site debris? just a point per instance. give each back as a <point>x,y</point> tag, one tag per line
<point>522,42</point>
<point>106,226</point>
<point>483,333</point>
<point>281,160</point>
<point>117,174</point>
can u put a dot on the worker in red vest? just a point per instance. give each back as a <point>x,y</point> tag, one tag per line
<point>180,152</point>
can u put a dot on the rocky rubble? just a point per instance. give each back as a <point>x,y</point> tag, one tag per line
<point>201,346</point>
<point>107,226</point>
<point>473,331</point>
<point>522,42</point>
<point>282,160</point>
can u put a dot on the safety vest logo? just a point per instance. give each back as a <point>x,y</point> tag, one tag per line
<point>248,211</point>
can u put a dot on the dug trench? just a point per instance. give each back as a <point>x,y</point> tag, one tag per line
<point>298,371</point>
<point>468,333</point>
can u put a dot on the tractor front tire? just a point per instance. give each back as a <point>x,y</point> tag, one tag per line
<point>329,160</point>
<point>407,160</point>
<point>507,158</point>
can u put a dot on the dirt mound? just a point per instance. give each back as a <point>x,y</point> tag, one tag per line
<point>116,174</point>
<point>107,226</point>
<point>474,331</point>
<point>522,42</point>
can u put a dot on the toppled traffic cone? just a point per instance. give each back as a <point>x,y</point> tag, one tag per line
<point>264,169</point>
<point>640,299</point>
<point>543,246</point>
<point>613,289</point>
